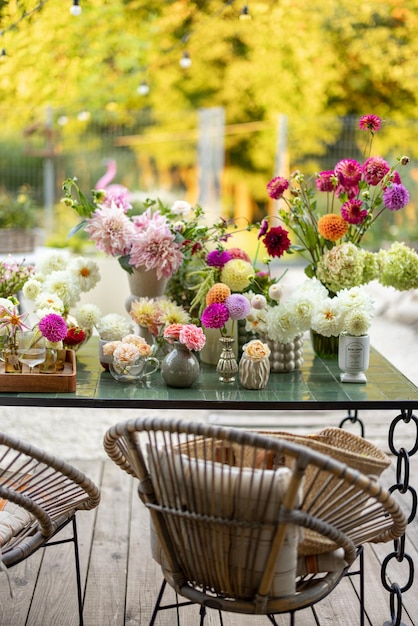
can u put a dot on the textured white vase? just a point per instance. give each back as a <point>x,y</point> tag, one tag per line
<point>254,374</point>
<point>285,357</point>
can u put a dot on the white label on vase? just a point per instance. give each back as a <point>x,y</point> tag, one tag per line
<point>355,356</point>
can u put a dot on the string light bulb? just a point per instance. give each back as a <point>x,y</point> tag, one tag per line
<point>185,60</point>
<point>245,13</point>
<point>143,88</point>
<point>75,8</point>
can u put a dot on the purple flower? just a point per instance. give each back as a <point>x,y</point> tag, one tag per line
<point>395,197</point>
<point>238,306</point>
<point>263,229</point>
<point>218,258</point>
<point>215,315</point>
<point>53,327</point>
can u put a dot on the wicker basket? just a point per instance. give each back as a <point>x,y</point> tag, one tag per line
<point>13,240</point>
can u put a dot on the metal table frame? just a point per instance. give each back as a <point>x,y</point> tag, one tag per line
<point>316,386</point>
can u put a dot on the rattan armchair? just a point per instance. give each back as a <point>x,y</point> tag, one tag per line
<point>246,522</point>
<point>39,495</point>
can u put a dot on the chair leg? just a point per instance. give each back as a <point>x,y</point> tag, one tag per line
<point>202,613</point>
<point>158,602</point>
<point>77,572</point>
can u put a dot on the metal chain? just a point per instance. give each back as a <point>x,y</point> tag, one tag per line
<point>404,487</point>
<point>352,416</point>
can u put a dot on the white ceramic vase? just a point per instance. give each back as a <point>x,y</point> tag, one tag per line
<point>144,283</point>
<point>254,374</point>
<point>353,358</point>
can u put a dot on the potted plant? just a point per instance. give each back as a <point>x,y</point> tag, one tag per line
<point>18,220</point>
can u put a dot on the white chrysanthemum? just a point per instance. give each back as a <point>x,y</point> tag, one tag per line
<point>114,327</point>
<point>281,323</point>
<point>85,271</point>
<point>327,318</point>
<point>49,302</point>
<point>357,322</point>
<point>88,316</point>
<point>355,298</point>
<point>53,262</point>
<point>312,288</point>
<point>32,288</point>
<point>65,286</point>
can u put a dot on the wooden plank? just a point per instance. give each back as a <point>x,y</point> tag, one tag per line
<point>14,610</point>
<point>106,582</point>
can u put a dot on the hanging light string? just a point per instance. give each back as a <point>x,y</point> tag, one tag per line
<point>24,15</point>
<point>185,61</point>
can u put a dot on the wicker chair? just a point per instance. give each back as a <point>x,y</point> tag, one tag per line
<point>39,495</point>
<point>245,522</point>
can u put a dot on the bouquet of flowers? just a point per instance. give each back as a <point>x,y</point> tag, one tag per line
<point>310,307</point>
<point>356,195</point>
<point>13,276</point>
<point>127,351</point>
<point>153,235</point>
<point>190,335</point>
<point>56,285</point>
<point>222,306</point>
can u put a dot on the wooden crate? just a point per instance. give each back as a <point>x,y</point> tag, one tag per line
<point>59,382</point>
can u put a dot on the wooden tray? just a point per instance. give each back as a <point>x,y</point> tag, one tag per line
<point>60,382</point>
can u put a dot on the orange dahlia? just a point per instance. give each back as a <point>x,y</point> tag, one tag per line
<point>332,226</point>
<point>219,292</point>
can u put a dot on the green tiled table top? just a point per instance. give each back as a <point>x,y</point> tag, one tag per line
<point>315,386</point>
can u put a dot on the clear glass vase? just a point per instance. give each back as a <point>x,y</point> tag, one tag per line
<point>227,366</point>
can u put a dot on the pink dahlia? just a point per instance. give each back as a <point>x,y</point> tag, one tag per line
<point>276,187</point>
<point>352,211</point>
<point>172,332</point>
<point>374,170</point>
<point>348,172</point>
<point>117,196</point>
<point>370,122</point>
<point>395,197</point>
<point>155,248</point>
<point>277,241</point>
<point>215,315</point>
<point>238,253</point>
<point>53,327</point>
<point>325,181</point>
<point>111,230</point>
<point>192,336</point>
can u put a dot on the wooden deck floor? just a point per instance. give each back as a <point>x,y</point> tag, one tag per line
<point>121,581</point>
